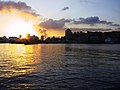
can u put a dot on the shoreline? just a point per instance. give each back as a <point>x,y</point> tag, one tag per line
<point>53,43</point>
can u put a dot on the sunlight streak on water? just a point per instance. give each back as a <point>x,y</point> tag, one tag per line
<point>16,60</point>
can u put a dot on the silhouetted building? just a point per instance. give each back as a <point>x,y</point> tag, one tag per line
<point>68,34</point>
<point>42,38</point>
<point>82,37</point>
<point>92,37</point>
<point>3,39</point>
<point>13,39</point>
<point>34,38</point>
<point>48,39</point>
<point>75,37</point>
<point>95,37</point>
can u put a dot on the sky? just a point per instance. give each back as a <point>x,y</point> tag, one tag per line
<point>105,9</point>
<point>57,15</point>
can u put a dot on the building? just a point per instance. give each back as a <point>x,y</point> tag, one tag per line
<point>42,38</point>
<point>34,38</point>
<point>13,39</point>
<point>3,39</point>
<point>68,34</point>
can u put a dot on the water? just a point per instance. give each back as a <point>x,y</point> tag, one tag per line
<point>60,66</point>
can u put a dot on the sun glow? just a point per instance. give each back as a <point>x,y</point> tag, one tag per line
<point>18,20</point>
<point>21,27</point>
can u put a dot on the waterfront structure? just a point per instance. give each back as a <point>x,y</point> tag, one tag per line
<point>13,39</point>
<point>42,38</point>
<point>70,37</point>
<point>3,39</point>
<point>68,34</point>
<point>92,37</point>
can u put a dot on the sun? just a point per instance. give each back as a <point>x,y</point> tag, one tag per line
<point>21,27</point>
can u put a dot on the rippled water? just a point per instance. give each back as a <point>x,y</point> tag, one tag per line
<point>60,66</point>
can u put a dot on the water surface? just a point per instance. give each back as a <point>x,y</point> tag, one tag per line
<point>60,66</point>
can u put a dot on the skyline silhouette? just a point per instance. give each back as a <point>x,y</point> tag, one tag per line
<point>112,37</point>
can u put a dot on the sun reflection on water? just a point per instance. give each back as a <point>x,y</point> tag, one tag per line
<point>17,60</point>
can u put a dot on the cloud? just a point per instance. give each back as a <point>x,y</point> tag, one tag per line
<point>61,23</point>
<point>65,8</point>
<point>91,29</point>
<point>44,32</point>
<point>21,6</point>
<point>54,24</point>
<point>115,25</point>
<point>117,29</point>
<point>90,20</point>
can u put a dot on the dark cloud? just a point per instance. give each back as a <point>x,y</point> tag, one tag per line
<point>60,24</point>
<point>65,8</point>
<point>115,25</point>
<point>90,20</point>
<point>66,20</point>
<point>21,6</point>
<point>54,24</point>
<point>118,28</point>
<point>91,29</point>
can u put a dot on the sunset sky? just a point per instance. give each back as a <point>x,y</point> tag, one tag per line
<point>52,17</point>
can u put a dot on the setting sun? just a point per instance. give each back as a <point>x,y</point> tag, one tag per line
<point>21,27</point>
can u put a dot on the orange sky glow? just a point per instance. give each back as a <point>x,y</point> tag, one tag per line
<point>15,23</point>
